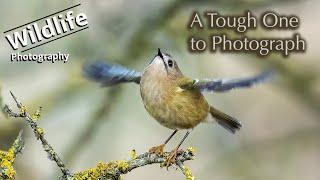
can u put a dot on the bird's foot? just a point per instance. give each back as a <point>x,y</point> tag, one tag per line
<point>157,150</point>
<point>172,158</point>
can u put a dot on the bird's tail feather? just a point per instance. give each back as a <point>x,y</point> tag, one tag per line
<point>229,123</point>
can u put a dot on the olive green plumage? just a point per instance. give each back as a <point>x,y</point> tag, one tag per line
<point>170,98</point>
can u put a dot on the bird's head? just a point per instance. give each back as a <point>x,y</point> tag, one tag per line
<point>163,65</point>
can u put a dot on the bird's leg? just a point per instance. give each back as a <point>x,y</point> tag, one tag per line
<point>171,159</point>
<point>159,149</point>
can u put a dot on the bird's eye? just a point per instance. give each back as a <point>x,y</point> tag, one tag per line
<point>170,63</point>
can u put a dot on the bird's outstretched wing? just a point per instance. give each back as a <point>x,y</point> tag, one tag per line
<point>110,74</point>
<point>221,85</point>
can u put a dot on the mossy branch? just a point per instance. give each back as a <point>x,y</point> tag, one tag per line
<point>109,170</point>
<point>7,158</point>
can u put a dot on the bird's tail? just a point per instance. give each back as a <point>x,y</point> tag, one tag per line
<point>229,123</point>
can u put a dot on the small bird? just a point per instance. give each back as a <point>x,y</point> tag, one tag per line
<point>171,98</point>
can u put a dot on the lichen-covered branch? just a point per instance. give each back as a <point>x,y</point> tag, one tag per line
<point>113,170</point>
<point>38,132</point>
<point>7,158</point>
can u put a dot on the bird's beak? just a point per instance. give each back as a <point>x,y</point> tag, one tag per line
<point>159,53</point>
<point>161,56</point>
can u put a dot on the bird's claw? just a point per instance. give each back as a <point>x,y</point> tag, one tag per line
<point>171,159</point>
<point>157,150</point>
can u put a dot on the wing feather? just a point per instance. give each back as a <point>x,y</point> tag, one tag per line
<point>221,85</point>
<point>110,74</point>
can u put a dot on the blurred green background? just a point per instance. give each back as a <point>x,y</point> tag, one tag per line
<point>87,124</point>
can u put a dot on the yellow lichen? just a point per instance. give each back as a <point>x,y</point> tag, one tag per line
<point>36,115</point>
<point>23,109</point>
<point>191,150</point>
<point>92,173</point>
<point>133,154</point>
<point>102,170</point>
<point>10,154</point>
<point>7,159</point>
<point>6,163</point>
<point>9,172</point>
<point>122,165</point>
<point>188,174</point>
<point>2,154</point>
<point>39,132</point>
